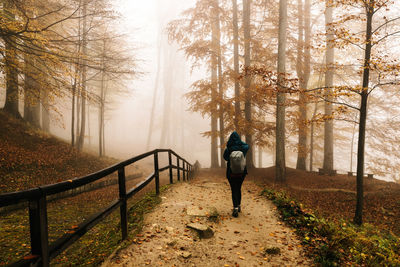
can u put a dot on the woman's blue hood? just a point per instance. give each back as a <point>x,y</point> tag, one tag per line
<point>234,140</point>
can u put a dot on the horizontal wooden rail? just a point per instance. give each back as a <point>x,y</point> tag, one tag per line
<point>41,251</point>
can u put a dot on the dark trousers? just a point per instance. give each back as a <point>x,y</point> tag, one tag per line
<point>236,188</point>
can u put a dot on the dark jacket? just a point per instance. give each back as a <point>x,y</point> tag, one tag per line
<point>234,144</point>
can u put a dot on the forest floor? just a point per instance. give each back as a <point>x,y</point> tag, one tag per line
<point>334,197</point>
<point>255,238</point>
<point>30,157</point>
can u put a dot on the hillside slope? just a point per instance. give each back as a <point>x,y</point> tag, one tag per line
<point>29,157</point>
<point>334,197</point>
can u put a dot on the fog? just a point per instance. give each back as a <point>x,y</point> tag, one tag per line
<point>163,75</point>
<point>127,124</point>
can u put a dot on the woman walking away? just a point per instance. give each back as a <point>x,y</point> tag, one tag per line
<point>234,154</point>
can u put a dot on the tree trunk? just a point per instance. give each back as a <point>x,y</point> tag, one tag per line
<point>168,78</point>
<point>214,95</point>
<point>31,92</point>
<point>236,64</point>
<point>328,136</point>
<point>81,139</point>
<point>280,171</point>
<point>312,137</point>
<point>260,151</point>
<point>216,20</point>
<point>156,85</point>
<point>11,68</point>
<point>352,147</point>
<point>363,117</point>
<point>75,86</point>
<point>73,113</point>
<point>247,83</point>
<point>102,101</point>
<point>303,72</point>
<point>45,111</point>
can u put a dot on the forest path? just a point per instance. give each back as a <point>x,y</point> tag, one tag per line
<point>242,241</point>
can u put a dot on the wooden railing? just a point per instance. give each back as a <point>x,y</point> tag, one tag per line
<point>41,251</point>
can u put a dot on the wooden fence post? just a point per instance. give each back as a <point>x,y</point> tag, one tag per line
<point>39,229</point>
<point>156,173</point>
<point>184,169</point>
<point>177,165</point>
<point>170,167</point>
<point>122,197</point>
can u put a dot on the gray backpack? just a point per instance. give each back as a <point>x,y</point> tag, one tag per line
<point>238,162</point>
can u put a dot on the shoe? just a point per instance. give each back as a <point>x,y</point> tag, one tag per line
<point>235,212</point>
<point>239,209</point>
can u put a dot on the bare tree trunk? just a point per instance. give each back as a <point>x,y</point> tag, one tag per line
<point>303,71</point>
<point>73,113</point>
<point>81,139</point>
<point>312,137</point>
<point>236,64</point>
<point>214,95</point>
<point>102,100</point>
<point>280,171</point>
<point>31,92</point>
<point>167,81</point>
<point>260,151</point>
<point>156,85</point>
<point>247,83</point>
<point>78,110</point>
<point>352,147</point>
<point>358,217</point>
<point>45,111</point>
<point>328,137</point>
<point>11,69</point>
<point>75,90</point>
<point>217,26</point>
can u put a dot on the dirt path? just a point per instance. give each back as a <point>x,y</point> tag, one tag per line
<point>242,241</point>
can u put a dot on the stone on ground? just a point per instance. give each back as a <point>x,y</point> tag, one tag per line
<point>203,230</point>
<point>202,212</point>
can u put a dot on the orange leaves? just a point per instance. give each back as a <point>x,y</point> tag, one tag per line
<point>29,159</point>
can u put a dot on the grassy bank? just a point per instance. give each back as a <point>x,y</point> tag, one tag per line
<point>91,249</point>
<point>337,243</point>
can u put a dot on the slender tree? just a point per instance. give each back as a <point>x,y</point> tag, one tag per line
<point>236,64</point>
<point>280,169</point>
<point>247,83</point>
<point>217,42</point>
<point>11,65</point>
<point>328,130</point>
<point>83,95</point>
<point>31,98</point>
<point>303,72</point>
<point>214,92</point>
<point>370,10</point>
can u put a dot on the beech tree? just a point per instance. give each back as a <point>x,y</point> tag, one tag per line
<point>197,34</point>
<point>303,70</point>
<point>330,67</point>
<point>378,69</point>
<point>280,167</point>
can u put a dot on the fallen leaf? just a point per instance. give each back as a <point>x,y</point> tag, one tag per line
<point>29,257</point>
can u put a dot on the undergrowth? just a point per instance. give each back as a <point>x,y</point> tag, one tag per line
<point>100,242</point>
<point>337,244</point>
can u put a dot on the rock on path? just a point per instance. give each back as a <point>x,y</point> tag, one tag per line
<point>167,241</point>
